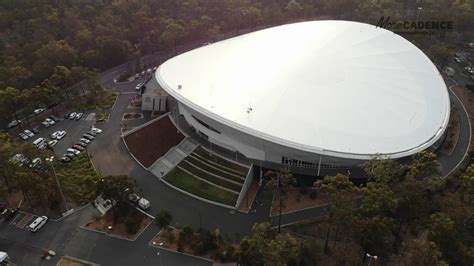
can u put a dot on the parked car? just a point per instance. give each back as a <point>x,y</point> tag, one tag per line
<point>65,159</point>
<point>37,223</point>
<point>9,213</point>
<point>92,133</point>
<point>137,76</point>
<point>72,115</point>
<point>139,86</point>
<point>143,203</point>
<point>23,136</point>
<point>35,130</point>
<point>82,144</point>
<point>61,135</point>
<point>52,143</point>
<point>78,147</point>
<point>78,116</point>
<point>42,146</point>
<point>50,121</point>
<point>69,155</point>
<point>87,136</point>
<point>155,68</point>
<point>54,118</point>
<point>143,73</point>
<point>28,133</point>
<point>45,124</point>
<point>96,130</point>
<point>54,135</point>
<point>35,162</point>
<point>38,111</point>
<point>84,140</point>
<point>19,159</point>
<point>39,141</point>
<point>74,151</point>
<point>14,123</point>
<point>148,71</point>
<point>67,114</point>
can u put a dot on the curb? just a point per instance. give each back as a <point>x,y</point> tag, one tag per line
<point>116,100</point>
<point>470,133</point>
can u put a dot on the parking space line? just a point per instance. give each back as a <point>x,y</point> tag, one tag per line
<point>24,221</point>
<point>15,218</point>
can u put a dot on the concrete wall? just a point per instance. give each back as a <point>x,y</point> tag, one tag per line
<point>253,147</point>
<point>245,187</point>
<point>151,102</point>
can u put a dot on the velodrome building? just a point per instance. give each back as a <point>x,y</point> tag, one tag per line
<point>311,93</point>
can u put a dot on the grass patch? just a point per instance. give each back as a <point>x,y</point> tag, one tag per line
<point>209,177</point>
<point>199,188</point>
<point>218,171</point>
<point>78,178</point>
<point>219,162</point>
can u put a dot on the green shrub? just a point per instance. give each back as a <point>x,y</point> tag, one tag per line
<point>132,224</point>
<point>163,218</point>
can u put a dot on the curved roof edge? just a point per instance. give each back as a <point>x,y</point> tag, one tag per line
<point>306,148</point>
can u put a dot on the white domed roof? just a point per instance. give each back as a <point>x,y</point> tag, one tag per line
<point>343,88</point>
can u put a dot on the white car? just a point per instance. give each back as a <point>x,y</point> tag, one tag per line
<point>49,121</point>
<point>35,162</point>
<point>139,86</point>
<point>38,111</point>
<point>52,143</point>
<point>86,141</point>
<point>29,133</point>
<point>96,130</point>
<point>45,124</point>
<point>55,134</point>
<point>14,123</point>
<point>42,146</point>
<point>73,151</point>
<point>78,116</point>
<point>37,223</point>
<point>61,135</point>
<point>72,115</point>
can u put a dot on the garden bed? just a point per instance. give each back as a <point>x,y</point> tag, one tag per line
<point>298,199</point>
<point>128,227</point>
<point>102,118</point>
<point>131,116</point>
<point>201,243</point>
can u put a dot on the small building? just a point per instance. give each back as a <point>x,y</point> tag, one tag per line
<point>154,98</point>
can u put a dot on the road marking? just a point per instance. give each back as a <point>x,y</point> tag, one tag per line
<point>90,116</point>
<point>24,221</point>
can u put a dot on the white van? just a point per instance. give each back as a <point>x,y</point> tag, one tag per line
<point>39,141</point>
<point>37,223</point>
<point>143,203</point>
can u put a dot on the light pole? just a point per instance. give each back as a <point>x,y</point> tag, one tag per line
<point>159,255</point>
<point>418,10</point>
<point>50,160</point>
<point>370,258</point>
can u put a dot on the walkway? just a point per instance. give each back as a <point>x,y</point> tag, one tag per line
<point>172,158</point>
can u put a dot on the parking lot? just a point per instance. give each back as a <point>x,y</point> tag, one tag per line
<point>74,128</point>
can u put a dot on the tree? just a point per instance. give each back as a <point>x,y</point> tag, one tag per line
<point>341,193</point>
<point>163,218</point>
<point>172,34</point>
<point>385,171</point>
<point>421,253</point>
<point>279,183</point>
<point>424,165</point>
<point>116,189</point>
<point>442,232</point>
<point>265,247</point>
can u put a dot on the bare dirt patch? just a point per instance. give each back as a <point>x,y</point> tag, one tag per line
<point>153,141</point>
<point>223,252</point>
<point>297,199</point>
